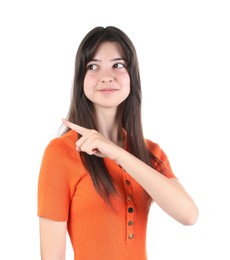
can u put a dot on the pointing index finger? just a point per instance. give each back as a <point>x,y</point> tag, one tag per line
<point>79,129</point>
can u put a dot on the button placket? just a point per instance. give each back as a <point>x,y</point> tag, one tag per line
<point>130,210</point>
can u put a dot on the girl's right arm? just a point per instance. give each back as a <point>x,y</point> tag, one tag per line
<point>52,239</point>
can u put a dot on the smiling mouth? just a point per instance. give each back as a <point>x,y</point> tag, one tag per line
<point>108,90</point>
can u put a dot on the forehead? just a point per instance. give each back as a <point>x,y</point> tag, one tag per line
<point>109,49</point>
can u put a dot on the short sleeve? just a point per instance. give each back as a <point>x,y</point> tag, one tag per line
<point>57,181</point>
<point>157,152</point>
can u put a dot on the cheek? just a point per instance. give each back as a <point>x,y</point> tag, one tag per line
<point>126,83</point>
<point>87,85</point>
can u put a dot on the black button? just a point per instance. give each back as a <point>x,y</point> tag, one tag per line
<point>130,210</point>
<point>130,223</point>
<point>127,182</point>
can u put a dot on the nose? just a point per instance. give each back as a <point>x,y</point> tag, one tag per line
<point>106,76</point>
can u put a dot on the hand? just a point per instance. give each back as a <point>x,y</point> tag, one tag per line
<point>93,143</point>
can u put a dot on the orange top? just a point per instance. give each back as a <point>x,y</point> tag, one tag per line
<point>97,231</point>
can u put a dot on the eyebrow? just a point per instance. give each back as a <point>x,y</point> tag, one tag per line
<point>116,59</point>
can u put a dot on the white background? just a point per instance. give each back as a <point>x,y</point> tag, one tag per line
<point>184,56</point>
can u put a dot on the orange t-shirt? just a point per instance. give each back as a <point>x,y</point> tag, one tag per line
<point>97,231</point>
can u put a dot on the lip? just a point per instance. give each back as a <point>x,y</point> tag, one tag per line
<point>108,90</point>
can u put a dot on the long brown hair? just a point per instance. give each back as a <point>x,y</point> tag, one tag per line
<point>81,109</point>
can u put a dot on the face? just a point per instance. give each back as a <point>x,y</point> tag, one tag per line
<point>107,82</point>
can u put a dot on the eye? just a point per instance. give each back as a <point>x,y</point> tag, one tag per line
<point>119,65</point>
<point>92,67</point>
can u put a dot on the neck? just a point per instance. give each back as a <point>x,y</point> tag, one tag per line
<point>109,126</point>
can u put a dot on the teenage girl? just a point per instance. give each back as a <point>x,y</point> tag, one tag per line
<point>99,178</point>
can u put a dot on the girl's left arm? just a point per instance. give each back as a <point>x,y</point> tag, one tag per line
<point>168,193</point>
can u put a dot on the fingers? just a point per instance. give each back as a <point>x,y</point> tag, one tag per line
<point>90,142</point>
<point>79,129</point>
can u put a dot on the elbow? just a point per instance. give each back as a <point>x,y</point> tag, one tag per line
<point>191,217</point>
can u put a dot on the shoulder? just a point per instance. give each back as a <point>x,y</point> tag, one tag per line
<point>158,153</point>
<point>63,145</point>
<point>153,147</point>
<point>60,156</point>
<point>156,150</point>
